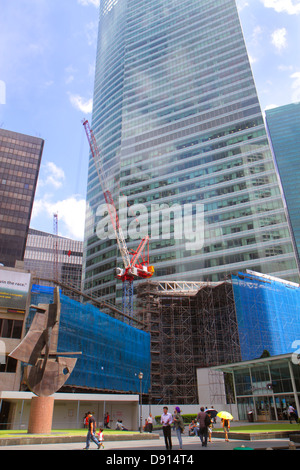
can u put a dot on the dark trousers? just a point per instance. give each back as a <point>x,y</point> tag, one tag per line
<point>167,436</point>
<point>203,436</point>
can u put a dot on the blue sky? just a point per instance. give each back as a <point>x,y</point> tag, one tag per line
<point>47,62</point>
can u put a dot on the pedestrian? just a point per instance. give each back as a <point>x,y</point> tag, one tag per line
<point>150,422</point>
<point>203,421</point>
<point>226,427</point>
<point>101,438</point>
<point>91,431</point>
<point>166,421</point>
<point>179,426</point>
<point>106,420</point>
<point>209,427</point>
<point>292,413</point>
<point>85,421</point>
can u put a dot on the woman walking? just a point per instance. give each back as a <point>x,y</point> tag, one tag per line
<point>179,426</point>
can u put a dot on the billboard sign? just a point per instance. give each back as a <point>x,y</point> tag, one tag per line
<point>14,288</point>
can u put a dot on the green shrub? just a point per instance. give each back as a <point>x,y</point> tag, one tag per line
<point>186,418</point>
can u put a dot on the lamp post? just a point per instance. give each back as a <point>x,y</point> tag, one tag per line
<point>141,375</point>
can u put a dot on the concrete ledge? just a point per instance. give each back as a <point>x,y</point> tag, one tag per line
<point>257,436</point>
<point>27,439</point>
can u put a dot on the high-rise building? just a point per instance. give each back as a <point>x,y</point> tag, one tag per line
<point>20,158</point>
<point>284,129</point>
<point>178,121</point>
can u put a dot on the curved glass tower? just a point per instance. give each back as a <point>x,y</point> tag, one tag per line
<point>178,122</point>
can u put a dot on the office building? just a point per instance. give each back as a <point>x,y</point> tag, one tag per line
<point>264,388</point>
<point>20,158</point>
<point>284,130</point>
<point>178,121</point>
<point>53,258</point>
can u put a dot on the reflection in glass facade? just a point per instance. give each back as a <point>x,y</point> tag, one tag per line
<point>284,128</point>
<point>177,120</point>
<point>20,158</point>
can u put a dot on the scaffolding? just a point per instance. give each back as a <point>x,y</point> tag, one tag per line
<point>192,325</point>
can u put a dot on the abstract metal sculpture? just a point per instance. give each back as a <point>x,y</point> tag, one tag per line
<point>47,370</point>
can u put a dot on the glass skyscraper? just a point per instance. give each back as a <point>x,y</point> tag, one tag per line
<point>284,129</point>
<point>178,121</point>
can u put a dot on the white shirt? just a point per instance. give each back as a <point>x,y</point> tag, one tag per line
<point>166,419</point>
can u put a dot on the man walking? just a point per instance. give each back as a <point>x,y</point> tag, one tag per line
<point>166,420</point>
<point>203,425</point>
<point>91,432</point>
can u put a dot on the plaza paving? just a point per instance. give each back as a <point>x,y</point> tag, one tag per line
<point>190,443</point>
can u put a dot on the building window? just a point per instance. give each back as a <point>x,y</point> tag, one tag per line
<point>10,366</point>
<point>11,328</point>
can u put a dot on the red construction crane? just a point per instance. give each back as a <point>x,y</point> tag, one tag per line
<point>132,267</point>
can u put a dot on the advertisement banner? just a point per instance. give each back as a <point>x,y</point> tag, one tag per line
<point>14,288</point>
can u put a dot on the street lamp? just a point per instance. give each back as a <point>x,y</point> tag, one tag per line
<point>141,375</point>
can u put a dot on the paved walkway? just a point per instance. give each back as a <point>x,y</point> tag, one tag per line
<point>190,443</point>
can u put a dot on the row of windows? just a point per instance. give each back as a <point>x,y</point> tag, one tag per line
<point>204,181</point>
<point>12,232</point>
<point>28,141</point>
<point>191,149</point>
<point>7,220</point>
<point>171,23</point>
<point>229,110</point>
<point>196,141</point>
<point>10,328</point>
<point>8,161</point>
<point>168,45</point>
<point>170,111</point>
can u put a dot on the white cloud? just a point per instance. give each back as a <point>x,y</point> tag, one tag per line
<point>292,7</point>
<point>285,68</point>
<point>91,32</point>
<point>279,39</point>
<point>296,87</point>
<point>2,92</point>
<point>252,59</point>
<point>241,4</point>
<point>52,175</point>
<point>78,102</point>
<point>271,106</point>
<point>85,3</point>
<point>71,215</point>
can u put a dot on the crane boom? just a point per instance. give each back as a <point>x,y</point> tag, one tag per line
<point>107,195</point>
<point>132,268</point>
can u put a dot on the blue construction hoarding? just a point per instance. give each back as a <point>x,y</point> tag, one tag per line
<point>113,352</point>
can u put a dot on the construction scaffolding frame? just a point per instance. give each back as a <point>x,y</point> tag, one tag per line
<point>192,325</point>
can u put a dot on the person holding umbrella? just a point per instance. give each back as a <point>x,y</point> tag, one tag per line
<point>225,418</point>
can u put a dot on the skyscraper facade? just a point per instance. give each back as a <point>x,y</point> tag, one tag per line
<point>178,121</point>
<point>20,158</point>
<point>284,129</point>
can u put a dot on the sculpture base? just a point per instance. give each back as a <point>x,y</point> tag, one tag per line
<point>41,415</point>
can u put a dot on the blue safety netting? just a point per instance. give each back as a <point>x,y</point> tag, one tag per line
<point>113,353</point>
<point>268,315</point>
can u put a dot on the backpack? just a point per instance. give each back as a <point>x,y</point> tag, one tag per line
<point>207,420</point>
